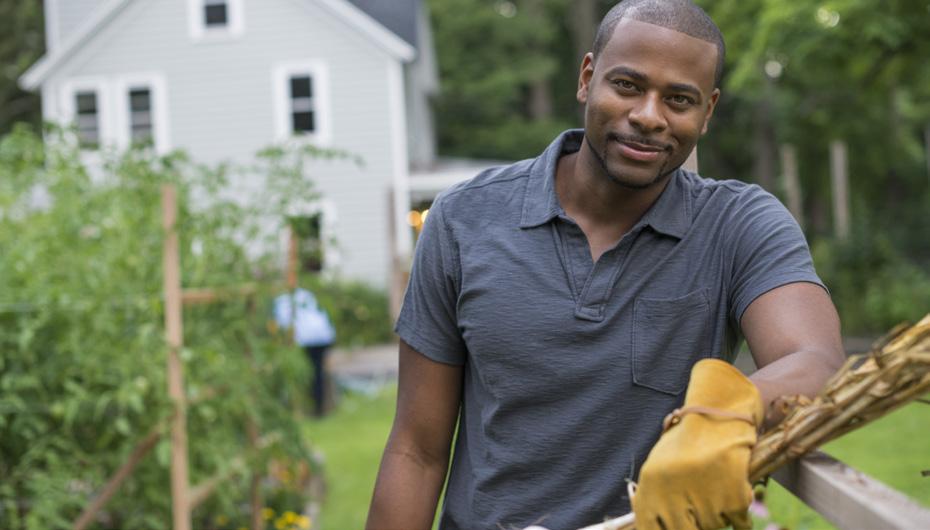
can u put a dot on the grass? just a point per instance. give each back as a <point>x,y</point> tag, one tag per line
<point>893,450</point>
<point>351,440</point>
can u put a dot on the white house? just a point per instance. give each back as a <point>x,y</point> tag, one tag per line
<point>224,78</point>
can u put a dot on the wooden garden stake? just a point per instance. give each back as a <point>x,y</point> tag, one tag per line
<point>293,259</point>
<point>138,453</point>
<point>256,500</point>
<point>180,506</point>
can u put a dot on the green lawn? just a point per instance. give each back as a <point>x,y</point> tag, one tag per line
<point>893,450</point>
<point>351,440</point>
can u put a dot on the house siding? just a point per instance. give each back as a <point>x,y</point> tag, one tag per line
<point>221,106</point>
<point>68,17</point>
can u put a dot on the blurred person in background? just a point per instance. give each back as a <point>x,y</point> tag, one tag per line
<point>299,313</point>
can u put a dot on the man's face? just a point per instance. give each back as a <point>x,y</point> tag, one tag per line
<point>647,99</point>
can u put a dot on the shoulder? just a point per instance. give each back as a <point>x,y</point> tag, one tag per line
<point>729,198</point>
<point>486,194</point>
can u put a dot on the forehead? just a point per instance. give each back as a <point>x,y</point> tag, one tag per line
<point>660,52</point>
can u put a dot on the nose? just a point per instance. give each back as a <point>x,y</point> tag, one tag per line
<point>646,115</point>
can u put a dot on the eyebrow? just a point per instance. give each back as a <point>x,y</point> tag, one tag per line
<point>639,76</point>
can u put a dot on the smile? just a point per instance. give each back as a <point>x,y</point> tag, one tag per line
<point>639,152</point>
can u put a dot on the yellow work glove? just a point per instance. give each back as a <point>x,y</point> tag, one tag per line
<point>697,475</point>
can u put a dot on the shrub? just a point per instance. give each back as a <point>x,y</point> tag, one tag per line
<point>359,312</point>
<point>874,286</point>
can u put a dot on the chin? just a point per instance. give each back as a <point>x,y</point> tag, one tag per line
<point>638,180</point>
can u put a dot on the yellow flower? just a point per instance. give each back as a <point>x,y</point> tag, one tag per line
<point>280,523</point>
<point>304,522</point>
<point>267,514</point>
<point>290,517</point>
<point>221,520</point>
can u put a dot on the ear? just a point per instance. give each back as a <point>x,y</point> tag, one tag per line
<point>584,77</point>
<point>712,104</point>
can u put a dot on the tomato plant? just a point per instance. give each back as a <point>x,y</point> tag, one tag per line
<point>82,349</point>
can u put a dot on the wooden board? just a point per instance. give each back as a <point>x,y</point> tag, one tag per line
<point>848,498</point>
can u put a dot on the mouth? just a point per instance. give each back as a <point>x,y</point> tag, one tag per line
<point>639,149</point>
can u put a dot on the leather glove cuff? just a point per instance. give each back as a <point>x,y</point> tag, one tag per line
<point>716,384</point>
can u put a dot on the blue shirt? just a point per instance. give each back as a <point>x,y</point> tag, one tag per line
<point>311,323</point>
<point>570,365</point>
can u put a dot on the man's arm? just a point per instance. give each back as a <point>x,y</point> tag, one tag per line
<point>793,332</point>
<point>413,468</point>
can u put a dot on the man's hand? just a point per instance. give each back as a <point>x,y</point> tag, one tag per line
<point>697,475</point>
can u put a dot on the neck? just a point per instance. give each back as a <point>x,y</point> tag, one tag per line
<point>590,197</point>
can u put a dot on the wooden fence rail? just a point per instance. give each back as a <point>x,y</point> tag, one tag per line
<point>848,498</point>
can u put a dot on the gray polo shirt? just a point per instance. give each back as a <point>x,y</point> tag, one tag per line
<point>569,365</point>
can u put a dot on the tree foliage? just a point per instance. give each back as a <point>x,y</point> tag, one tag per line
<point>22,42</point>
<point>851,70</point>
<point>798,73</point>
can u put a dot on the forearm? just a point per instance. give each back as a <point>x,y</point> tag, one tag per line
<point>407,490</point>
<point>803,372</point>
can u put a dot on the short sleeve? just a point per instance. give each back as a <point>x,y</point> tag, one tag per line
<point>282,311</point>
<point>768,250</point>
<point>428,320</point>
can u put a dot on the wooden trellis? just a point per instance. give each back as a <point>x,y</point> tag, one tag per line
<point>185,498</point>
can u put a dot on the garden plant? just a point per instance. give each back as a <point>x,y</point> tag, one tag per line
<point>82,348</point>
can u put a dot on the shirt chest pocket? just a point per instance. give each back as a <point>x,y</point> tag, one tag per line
<point>669,336</point>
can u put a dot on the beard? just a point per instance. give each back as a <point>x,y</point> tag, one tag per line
<point>624,180</point>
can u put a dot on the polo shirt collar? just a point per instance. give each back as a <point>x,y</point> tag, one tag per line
<point>540,203</point>
<point>670,215</point>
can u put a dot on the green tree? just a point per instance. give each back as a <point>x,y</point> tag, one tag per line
<point>22,42</point>
<point>496,67</point>
<point>851,70</point>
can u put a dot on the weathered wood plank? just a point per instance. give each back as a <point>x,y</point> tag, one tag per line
<point>208,295</point>
<point>848,498</point>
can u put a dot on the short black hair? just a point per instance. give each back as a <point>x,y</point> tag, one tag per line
<point>682,16</point>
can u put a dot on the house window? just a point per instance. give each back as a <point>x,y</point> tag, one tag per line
<point>210,20</point>
<point>141,129</point>
<point>310,244</point>
<point>302,109</point>
<point>88,119</point>
<point>215,13</point>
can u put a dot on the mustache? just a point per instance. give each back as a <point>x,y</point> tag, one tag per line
<point>630,138</point>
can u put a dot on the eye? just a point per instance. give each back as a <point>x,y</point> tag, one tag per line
<point>681,100</point>
<point>623,84</point>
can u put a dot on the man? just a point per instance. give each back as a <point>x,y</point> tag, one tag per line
<point>557,307</point>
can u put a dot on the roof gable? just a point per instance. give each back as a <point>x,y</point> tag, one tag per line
<point>399,16</point>
<point>351,14</point>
